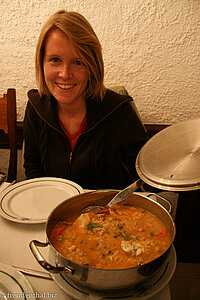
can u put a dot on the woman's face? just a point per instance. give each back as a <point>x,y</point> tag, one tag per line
<point>65,75</point>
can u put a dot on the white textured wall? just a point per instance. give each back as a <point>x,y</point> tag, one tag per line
<point>152,47</point>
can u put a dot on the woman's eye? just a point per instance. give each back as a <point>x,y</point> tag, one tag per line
<point>78,62</point>
<point>55,59</point>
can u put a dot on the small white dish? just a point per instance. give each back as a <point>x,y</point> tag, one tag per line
<point>14,284</point>
<point>31,201</point>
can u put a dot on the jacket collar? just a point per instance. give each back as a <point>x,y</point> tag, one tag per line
<point>44,106</point>
<point>96,110</point>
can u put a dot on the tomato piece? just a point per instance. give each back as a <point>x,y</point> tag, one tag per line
<point>161,233</point>
<point>113,212</point>
<point>103,211</point>
<point>56,232</point>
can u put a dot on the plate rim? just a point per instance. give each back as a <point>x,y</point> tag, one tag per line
<point>17,185</point>
<point>20,279</point>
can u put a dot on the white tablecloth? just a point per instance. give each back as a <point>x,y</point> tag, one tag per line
<point>15,251</point>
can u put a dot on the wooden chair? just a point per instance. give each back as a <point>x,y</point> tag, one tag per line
<point>8,123</point>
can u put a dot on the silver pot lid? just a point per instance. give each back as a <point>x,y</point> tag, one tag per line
<point>170,160</point>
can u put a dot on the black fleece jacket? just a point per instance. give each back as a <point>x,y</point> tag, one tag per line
<point>105,153</point>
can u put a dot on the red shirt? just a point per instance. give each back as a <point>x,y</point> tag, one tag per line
<point>73,138</point>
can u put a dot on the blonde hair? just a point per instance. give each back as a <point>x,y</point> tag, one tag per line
<point>82,35</point>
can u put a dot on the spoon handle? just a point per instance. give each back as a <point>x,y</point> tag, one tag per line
<point>122,195</point>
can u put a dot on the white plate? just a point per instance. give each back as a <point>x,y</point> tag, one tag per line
<point>13,284</point>
<point>31,201</point>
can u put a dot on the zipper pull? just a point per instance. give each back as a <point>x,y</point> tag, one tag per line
<point>70,156</point>
<point>69,163</point>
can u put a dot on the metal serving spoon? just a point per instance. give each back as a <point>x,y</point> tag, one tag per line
<point>122,195</point>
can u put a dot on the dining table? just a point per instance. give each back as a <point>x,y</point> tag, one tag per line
<point>15,252</point>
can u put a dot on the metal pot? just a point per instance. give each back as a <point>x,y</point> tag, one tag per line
<point>101,279</point>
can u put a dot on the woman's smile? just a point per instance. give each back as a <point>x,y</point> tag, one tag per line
<point>65,86</point>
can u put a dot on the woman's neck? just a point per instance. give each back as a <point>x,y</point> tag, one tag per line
<point>71,116</point>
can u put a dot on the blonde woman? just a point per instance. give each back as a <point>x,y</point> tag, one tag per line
<point>74,127</point>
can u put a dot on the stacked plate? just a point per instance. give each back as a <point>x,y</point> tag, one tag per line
<point>13,284</point>
<point>31,201</point>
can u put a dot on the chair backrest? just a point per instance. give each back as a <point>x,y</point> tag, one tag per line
<point>8,123</point>
<point>120,89</point>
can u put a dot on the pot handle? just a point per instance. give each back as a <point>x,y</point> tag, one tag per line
<point>161,200</point>
<point>48,267</point>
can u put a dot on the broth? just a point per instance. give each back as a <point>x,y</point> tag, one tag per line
<point>117,238</point>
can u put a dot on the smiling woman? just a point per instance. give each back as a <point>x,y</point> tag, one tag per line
<point>66,79</point>
<point>74,127</point>
<point>84,42</point>
<point>65,75</point>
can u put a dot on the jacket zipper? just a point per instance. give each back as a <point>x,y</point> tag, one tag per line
<point>70,155</point>
<point>69,164</point>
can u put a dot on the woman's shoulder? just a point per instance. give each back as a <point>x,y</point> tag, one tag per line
<point>38,102</point>
<point>117,96</point>
<point>114,101</point>
<point>34,96</point>
<point>33,92</point>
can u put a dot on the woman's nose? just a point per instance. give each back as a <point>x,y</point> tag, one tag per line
<point>65,71</point>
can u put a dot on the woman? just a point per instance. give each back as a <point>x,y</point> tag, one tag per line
<point>74,127</point>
